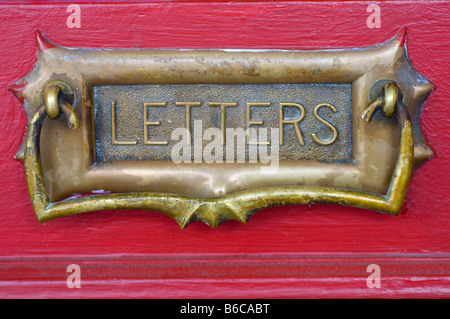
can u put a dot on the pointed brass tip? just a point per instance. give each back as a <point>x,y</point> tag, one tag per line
<point>20,156</point>
<point>243,218</point>
<point>184,222</point>
<point>187,218</point>
<point>42,43</point>
<point>17,88</point>
<point>423,90</point>
<point>401,37</point>
<point>422,153</point>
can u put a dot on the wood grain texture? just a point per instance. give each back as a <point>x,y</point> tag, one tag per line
<point>227,276</point>
<point>111,244</point>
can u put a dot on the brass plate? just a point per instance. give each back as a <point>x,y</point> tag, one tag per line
<point>129,118</point>
<point>126,103</point>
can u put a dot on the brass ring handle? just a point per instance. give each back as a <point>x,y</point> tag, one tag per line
<point>50,96</point>
<point>386,103</point>
<point>33,167</point>
<point>235,206</point>
<point>70,115</point>
<point>390,98</point>
<point>54,96</point>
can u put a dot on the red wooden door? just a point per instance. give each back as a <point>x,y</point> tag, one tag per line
<point>284,252</point>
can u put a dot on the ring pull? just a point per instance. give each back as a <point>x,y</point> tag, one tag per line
<point>387,103</point>
<point>55,96</point>
<point>56,102</point>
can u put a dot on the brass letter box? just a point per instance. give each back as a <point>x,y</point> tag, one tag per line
<point>211,135</point>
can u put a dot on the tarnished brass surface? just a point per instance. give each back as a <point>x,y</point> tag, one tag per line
<point>371,169</point>
<point>214,211</point>
<point>129,114</point>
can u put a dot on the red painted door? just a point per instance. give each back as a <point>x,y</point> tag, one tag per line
<point>285,252</point>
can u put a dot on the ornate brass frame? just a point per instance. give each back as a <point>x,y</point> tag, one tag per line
<point>373,180</point>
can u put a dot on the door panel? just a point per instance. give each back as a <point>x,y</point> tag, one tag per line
<point>288,252</point>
